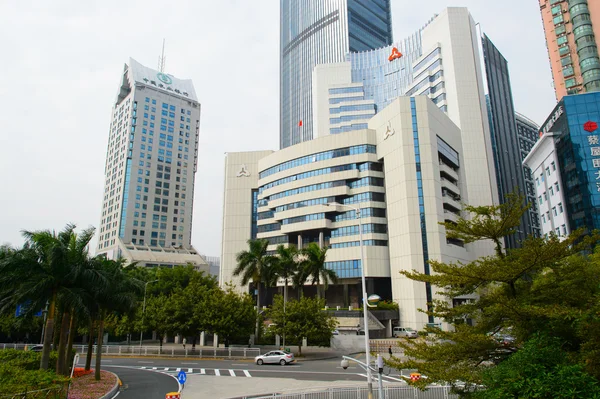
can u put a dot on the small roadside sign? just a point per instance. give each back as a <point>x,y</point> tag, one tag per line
<point>181,377</point>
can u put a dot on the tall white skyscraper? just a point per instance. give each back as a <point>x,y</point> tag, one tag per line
<point>151,162</point>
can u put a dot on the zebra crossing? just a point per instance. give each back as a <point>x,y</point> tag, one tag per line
<point>200,371</point>
<point>385,378</point>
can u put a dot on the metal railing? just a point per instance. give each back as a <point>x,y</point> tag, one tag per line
<point>389,392</point>
<point>59,392</point>
<point>169,351</point>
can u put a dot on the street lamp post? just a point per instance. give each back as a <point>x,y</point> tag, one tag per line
<point>364,294</point>
<point>144,311</point>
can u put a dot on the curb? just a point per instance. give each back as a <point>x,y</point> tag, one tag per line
<point>115,389</point>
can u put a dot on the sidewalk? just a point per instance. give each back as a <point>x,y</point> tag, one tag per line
<point>200,387</point>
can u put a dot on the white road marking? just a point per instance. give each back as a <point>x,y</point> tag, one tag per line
<point>239,364</point>
<point>178,370</point>
<point>189,363</point>
<point>202,371</point>
<point>247,373</point>
<point>217,372</point>
<point>166,369</point>
<point>154,368</point>
<point>142,361</point>
<point>395,379</point>
<point>143,367</point>
<point>232,373</point>
<point>190,370</point>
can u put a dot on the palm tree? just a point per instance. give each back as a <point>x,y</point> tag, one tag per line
<point>44,271</point>
<point>286,265</point>
<point>254,264</point>
<point>118,295</point>
<point>314,267</point>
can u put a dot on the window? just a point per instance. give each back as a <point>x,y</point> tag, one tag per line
<point>551,190</point>
<point>556,186</point>
<point>546,196</point>
<point>537,180</point>
<point>564,230</point>
<point>560,207</point>
<point>554,211</point>
<point>548,171</point>
<point>540,200</point>
<point>544,218</point>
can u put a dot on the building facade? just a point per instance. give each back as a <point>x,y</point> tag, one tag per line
<point>566,165</point>
<point>528,133</point>
<point>443,61</point>
<point>510,175</point>
<point>572,29</point>
<point>406,174</point>
<point>150,169</point>
<point>319,32</point>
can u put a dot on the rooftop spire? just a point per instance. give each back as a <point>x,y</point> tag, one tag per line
<point>162,59</point>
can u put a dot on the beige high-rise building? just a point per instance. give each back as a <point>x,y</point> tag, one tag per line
<point>151,163</point>
<point>572,29</point>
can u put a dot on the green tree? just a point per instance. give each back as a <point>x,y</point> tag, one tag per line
<point>254,264</point>
<point>304,318</point>
<point>118,295</point>
<point>49,270</point>
<point>541,369</point>
<point>229,314</point>
<point>541,287</point>
<point>313,265</point>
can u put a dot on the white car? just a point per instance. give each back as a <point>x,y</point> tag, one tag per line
<point>404,332</point>
<point>275,357</point>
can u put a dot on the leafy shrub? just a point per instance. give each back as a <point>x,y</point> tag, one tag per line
<point>387,305</point>
<point>29,360</point>
<point>17,380</point>
<point>80,371</point>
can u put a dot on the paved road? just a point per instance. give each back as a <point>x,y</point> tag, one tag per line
<point>316,370</point>
<point>143,384</point>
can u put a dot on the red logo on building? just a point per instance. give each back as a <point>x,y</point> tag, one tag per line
<point>395,54</point>
<point>590,126</point>
<point>300,122</point>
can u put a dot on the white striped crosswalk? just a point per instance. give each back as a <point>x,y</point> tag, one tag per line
<point>210,372</point>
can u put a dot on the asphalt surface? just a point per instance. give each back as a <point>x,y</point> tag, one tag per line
<point>314,370</point>
<point>143,384</point>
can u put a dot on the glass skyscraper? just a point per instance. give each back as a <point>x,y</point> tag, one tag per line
<point>321,32</point>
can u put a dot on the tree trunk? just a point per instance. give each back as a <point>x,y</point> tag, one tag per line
<point>48,332</point>
<point>62,343</point>
<point>300,348</point>
<point>257,311</point>
<point>99,345</point>
<point>90,348</point>
<point>284,302</point>
<point>70,344</point>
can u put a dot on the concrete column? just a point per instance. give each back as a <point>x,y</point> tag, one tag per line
<point>177,338</point>
<point>165,339</point>
<point>202,338</point>
<point>388,329</point>
<point>277,341</point>
<point>154,335</point>
<point>216,341</point>
<point>321,239</point>
<point>346,299</point>
<point>299,241</point>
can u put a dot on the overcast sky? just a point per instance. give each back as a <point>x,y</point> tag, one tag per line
<point>60,67</point>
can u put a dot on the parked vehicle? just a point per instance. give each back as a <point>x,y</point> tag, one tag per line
<point>36,348</point>
<point>275,357</point>
<point>404,332</point>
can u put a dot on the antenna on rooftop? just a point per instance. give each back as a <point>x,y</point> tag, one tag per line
<point>162,59</point>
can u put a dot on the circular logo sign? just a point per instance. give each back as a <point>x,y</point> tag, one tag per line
<point>164,78</point>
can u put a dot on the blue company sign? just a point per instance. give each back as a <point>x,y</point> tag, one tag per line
<point>181,377</point>
<point>21,309</point>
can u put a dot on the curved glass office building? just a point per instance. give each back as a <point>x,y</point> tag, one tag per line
<point>321,32</point>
